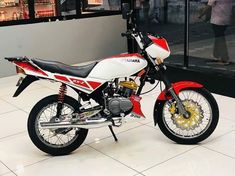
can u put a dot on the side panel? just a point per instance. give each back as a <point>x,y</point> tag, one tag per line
<point>178,86</point>
<point>123,65</point>
<point>87,85</point>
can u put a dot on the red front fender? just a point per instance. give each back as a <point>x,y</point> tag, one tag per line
<point>178,86</point>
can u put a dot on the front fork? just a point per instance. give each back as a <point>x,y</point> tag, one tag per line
<point>171,90</point>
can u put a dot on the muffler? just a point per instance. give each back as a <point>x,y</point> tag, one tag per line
<point>87,124</point>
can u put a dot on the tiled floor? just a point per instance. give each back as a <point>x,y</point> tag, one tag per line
<point>142,148</point>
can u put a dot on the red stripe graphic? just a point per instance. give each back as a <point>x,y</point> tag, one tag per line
<point>79,82</point>
<point>62,78</point>
<point>94,84</point>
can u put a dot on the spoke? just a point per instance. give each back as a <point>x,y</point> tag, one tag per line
<point>184,96</point>
<point>46,135</point>
<point>61,140</point>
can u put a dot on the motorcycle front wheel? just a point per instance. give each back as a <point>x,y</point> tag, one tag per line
<point>54,141</point>
<point>203,116</point>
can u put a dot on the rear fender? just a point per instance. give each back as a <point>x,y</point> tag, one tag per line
<point>178,86</point>
<point>25,83</point>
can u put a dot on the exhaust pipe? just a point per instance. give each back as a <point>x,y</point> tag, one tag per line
<point>87,124</point>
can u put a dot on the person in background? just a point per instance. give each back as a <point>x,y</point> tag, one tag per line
<point>156,11</point>
<point>221,18</point>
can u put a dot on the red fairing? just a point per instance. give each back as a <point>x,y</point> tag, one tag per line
<point>178,86</point>
<point>27,66</point>
<point>136,105</point>
<point>160,42</point>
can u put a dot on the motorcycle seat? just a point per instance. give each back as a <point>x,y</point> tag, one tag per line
<point>58,67</point>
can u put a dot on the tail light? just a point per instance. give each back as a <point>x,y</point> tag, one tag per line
<point>19,70</point>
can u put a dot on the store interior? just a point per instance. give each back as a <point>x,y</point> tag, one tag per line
<point>80,32</point>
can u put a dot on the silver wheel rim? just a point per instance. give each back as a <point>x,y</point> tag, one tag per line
<point>47,136</point>
<point>204,124</point>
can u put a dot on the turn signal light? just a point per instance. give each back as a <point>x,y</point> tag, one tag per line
<point>19,70</point>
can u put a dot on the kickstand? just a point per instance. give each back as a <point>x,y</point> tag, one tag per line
<point>114,136</point>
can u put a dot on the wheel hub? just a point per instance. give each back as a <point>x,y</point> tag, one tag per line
<point>195,115</point>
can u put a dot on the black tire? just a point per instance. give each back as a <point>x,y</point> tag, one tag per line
<point>40,142</point>
<point>176,136</point>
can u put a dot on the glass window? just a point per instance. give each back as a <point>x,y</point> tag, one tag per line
<point>51,8</point>
<point>13,10</point>
<point>100,5</point>
<point>45,8</point>
<point>212,34</point>
<point>164,18</point>
<point>67,7</point>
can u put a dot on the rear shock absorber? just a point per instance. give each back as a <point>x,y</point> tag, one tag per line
<point>61,96</point>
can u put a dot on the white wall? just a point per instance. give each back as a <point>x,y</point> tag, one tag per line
<point>71,42</point>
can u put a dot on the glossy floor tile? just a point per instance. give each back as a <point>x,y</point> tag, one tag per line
<point>142,149</point>
<point>9,87</point>
<point>18,151</point>
<point>3,169</point>
<point>6,107</point>
<point>85,161</point>
<point>10,174</point>
<point>224,144</point>
<point>28,98</point>
<point>226,106</point>
<point>196,162</point>
<point>12,123</point>
<point>96,135</point>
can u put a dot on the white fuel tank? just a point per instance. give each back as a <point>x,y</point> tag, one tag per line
<point>119,66</point>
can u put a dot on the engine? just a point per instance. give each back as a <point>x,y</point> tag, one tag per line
<point>121,103</point>
<point>127,88</point>
<point>118,105</point>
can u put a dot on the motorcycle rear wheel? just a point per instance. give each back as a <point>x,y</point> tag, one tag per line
<point>204,116</point>
<point>54,142</point>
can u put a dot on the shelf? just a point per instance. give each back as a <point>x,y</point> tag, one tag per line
<point>8,6</point>
<point>44,3</point>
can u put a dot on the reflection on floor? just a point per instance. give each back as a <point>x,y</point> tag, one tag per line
<point>142,148</point>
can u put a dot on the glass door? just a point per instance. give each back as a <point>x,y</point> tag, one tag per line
<point>212,34</point>
<point>164,18</point>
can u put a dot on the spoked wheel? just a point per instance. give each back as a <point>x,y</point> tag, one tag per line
<point>202,121</point>
<point>54,141</point>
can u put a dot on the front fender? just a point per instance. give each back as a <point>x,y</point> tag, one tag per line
<point>178,86</point>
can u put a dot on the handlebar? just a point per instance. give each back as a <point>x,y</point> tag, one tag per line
<point>143,35</point>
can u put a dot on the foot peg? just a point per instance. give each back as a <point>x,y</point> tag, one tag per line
<point>114,136</point>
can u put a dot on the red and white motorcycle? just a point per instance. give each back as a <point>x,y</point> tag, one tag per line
<point>58,124</point>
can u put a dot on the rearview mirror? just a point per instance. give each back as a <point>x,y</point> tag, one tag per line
<point>125,10</point>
